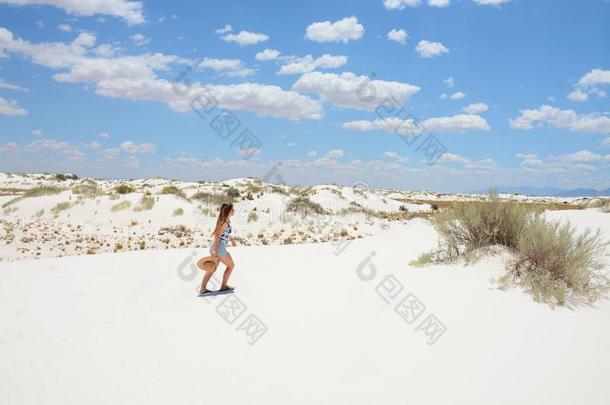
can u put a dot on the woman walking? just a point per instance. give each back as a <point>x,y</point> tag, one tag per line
<point>221,237</point>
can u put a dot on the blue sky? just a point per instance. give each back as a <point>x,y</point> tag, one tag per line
<point>509,92</point>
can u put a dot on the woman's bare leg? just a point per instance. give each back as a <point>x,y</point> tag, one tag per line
<point>227,260</point>
<point>204,282</point>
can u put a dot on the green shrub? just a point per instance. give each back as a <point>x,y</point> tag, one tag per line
<point>124,189</point>
<point>173,190</point>
<point>233,193</point>
<point>554,262</point>
<point>303,205</point>
<point>35,192</point>
<point>252,216</point>
<point>178,212</point>
<point>61,207</point>
<point>145,204</point>
<point>123,205</point>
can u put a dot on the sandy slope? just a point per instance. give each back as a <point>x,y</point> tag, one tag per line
<point>126,328</point>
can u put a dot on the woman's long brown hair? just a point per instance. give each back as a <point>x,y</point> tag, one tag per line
<point>223,215</point>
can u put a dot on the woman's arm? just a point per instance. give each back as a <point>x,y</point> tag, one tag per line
<point>217,238</point>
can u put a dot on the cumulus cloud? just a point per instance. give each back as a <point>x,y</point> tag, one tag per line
<point>395,156</point>
<point>64,27</point>
<point>135,78</point>
<point>227,28</point>
<point>227,67</point>
<point>529,159</point>
<point>450,82</point>
<point>339,31</point>
<point>582,156</point>
<point>139,39</point>
<point>351,91</point>
<point>37,132</point>
<point>267,54</point>
<point>454,158</point>
<point>11,108</point>
<point>429,49</point>
<point>335,154</point>
<point>400,4</point>
<point>245,38</point>
<point>438,3</point>
<point>457,123</point>
<point>130,11</point>
<point>399,36</point>
<point>65,149</point>
<point>309,64</point>
<point>590,83</point>
<point>475,108</point>
<point>490,2</point>
<point>565,119</point>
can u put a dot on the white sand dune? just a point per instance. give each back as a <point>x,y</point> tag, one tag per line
<point>127,328</point>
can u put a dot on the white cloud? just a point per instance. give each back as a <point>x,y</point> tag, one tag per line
<point>11,108</point>
<point>139,39</point>
<point>400,4</point>
<point>529,160</point>
<point>438,3</point>
<point>566,119</point>
<point>245,38</point>
<point>134,78</point>
<point>457,96</point>
<point>37,132</point>
<point>267,54</point>
<point>227,28</point>
<point>590,83</point>
<point>450,81</point>
<point>130,11</point>
<point>339,31</point>
<point>429,49</point>
<point>104,135</point>
<point>605,143</point>
<point>399,36</point>
<point>457,123</point>
<point>312,153</point>
<point>64,28</point>
<point>491,2</point>
<point>11,86</point>
<point>583,156</point>
<point>578,95</point>
<point>227,67</point>
<point>475,108</point>
<point>395,156</point>
<point>348,90</point>
<point>53,145</point>
<point>308,64</point>
<point>453,158</point>
<point>335,154</point>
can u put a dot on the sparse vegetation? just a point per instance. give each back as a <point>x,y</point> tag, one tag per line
<point>252,216</point>
<point>551,260</point>
<point>178,212</point>
<point>173,190</point>
<point>123,205</point>
<point>35,192</point>
<point>304,206</point>
<point>145,204</point>
<point>124,189</point>
<point>62,206</point>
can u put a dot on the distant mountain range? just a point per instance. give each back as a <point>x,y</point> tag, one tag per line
<point>554,191</point>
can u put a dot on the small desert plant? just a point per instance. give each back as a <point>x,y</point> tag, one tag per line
<point>88,190</point>
<point>173,190</point>
<point>178,212</point>
<point>123,205</point>
<point>252,216</point>
<point>303,205</point>
<point>35,192</point>
<point>62,206</point>
<point>145,204</point>
<point>124,189</point>
<point>555,263</point>
<point>233,193</point>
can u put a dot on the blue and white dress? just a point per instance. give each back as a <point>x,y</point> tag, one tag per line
<point>222,243</point>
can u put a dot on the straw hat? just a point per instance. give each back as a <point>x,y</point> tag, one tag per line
<point>208,263</point>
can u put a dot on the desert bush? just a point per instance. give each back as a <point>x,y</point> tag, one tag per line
<point>35,192</point>
<point>173,190</point>
<point>124,189</point>
<point>252,216</point>
<point>145,204</point>
<point>88,190</point>
<point>211,198</point>
<point>123,205</point>
<point>303,205</point>
<point>476,224</point>
<point>556,263</point>
<point>550,259</point>
<point>233,193</point>
<point>62,206</point>
<point>178,212</point>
